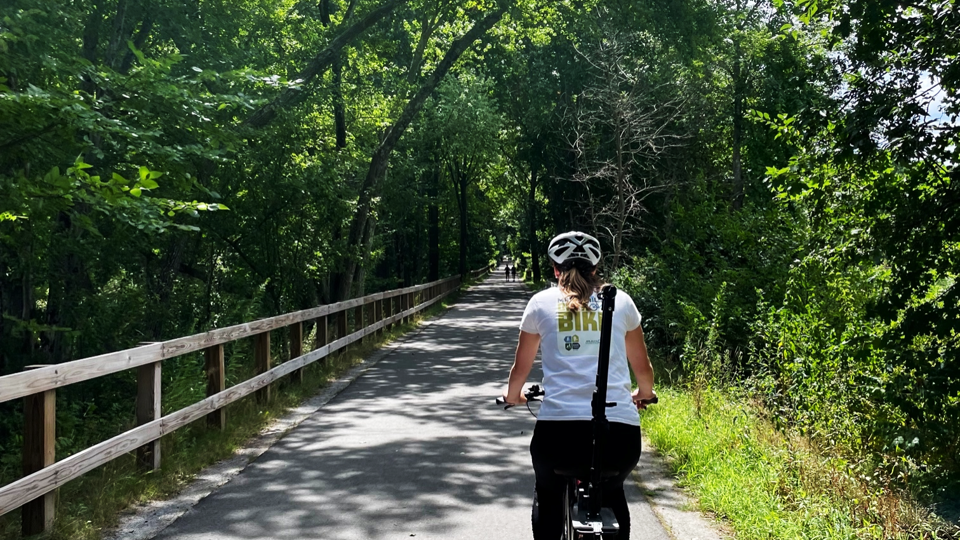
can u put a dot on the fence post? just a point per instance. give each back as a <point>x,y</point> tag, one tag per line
<point>358,320</point>
<point>341,331</point>
<point>378,315</point>
<point>39,451</point>
<point>404,305</point>
<point>396,307</point>
<point>148,410</point>
<point>216,383</point>
<point>388,311</point>
<point>322,337</point>
<point>342,324</point>
<point>296,349</point>
<point>261,357</point>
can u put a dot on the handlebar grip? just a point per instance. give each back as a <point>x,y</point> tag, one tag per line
<point>652,401</point>
<point>531,394</point>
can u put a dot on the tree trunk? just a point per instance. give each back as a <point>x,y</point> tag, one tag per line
<point>210,279</point>
<point>118,35</point>
<point>16,300</point>
<point>164,285</point>
<point>3,311</point>
<point>462,184</point>
<point>367,244</point>
<point>413,72</point>
<point>621,199</point>
<point>532,210</point>
<point>339,110</point>
<point>398,249</point>
<point>68,283</point>
<point>737,128</point>
<point>91,36</point>
<point>434,249</point>
<point>142,34</point>
<point>378,163</point>
<point>339,117</point>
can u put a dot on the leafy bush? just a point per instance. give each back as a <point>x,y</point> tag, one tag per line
<point>807,329</point>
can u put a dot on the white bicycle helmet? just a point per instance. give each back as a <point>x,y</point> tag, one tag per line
<point>574,245</point>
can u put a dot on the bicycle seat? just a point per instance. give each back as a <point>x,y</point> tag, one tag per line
<point>585,473</point>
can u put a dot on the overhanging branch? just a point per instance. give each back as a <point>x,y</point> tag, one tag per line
<point>291,96</point>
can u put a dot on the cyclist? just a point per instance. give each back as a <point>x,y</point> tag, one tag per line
<point>564,323</point>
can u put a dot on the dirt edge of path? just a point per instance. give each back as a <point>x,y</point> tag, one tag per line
<point>677,512</point>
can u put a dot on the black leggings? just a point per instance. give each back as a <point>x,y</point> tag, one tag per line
<point>568,445</point>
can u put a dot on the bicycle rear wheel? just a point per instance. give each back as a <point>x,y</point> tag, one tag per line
<point>569,499</point>
<point>535,514</point>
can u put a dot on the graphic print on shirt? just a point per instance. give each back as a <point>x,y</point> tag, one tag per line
<point>578,332</point>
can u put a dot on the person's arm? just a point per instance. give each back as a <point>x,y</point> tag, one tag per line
<point>522,364</point>
<point>640,364</point>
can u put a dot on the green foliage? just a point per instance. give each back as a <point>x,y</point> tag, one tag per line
<point>712,263</point>
<point>831,293</point>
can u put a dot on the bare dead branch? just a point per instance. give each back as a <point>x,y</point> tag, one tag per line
<point>618,130</point>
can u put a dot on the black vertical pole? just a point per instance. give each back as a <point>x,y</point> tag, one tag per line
<point>608,296</point>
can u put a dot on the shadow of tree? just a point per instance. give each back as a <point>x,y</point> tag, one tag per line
<point>415,446</point>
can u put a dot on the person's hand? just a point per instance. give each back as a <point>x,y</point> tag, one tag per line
<point>639,399</point>
<point>519,399</point>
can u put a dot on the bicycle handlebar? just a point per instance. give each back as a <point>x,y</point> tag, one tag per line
<point>531,394</point>
<point>650,401</point>
<point>535,391</point>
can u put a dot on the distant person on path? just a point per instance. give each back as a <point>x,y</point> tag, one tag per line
<point>563,323</point>
<point>506,272</point>
<point>513,272</point>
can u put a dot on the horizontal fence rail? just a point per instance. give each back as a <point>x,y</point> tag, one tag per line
<point>26,383</point>
<point>42,476</point>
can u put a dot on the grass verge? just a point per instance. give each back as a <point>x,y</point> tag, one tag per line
<point>769,485</point>
<point>94,502</point>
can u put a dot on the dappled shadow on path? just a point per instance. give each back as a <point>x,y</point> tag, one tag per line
<point>415,446</point>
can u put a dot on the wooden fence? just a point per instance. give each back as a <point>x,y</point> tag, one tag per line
<point>35,492</point>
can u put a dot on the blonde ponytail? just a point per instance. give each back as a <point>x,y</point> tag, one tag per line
<point>579,283</point>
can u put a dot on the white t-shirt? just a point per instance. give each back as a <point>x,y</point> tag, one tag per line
<point>570,346</point>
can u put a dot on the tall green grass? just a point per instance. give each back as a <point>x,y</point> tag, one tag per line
<point>769,485</point>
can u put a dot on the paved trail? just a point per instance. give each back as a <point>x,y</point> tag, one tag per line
<point>414,448</point>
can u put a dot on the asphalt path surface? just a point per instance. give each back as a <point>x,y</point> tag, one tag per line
<point>414,448</point>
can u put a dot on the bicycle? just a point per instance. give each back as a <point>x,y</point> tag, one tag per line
<point>585,517</point>
<point>579,525</point>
